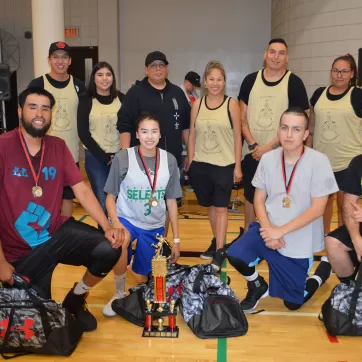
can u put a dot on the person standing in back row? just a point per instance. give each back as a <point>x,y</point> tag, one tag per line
<point>66,91</point>
<point>264,96</point>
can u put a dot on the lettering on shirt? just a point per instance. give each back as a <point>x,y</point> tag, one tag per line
<point>136,194</point>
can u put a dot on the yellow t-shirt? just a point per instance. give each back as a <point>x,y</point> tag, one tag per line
<point>214,142</point>
<point>103,124</point>
<point>64,119</point>
<point>265,107</point>
<point>337,131</point>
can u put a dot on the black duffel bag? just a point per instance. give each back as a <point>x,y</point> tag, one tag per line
<point>342,311</point>
<point>210,307</point>
<point>32,324</point>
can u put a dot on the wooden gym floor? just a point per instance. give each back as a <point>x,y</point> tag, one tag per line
<point>275,334</point>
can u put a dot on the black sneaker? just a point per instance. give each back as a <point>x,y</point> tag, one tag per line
<point>77,305</point>
<point>324,270</point>
<point>211,250</point>
<point>257,289</point>
<point>227,246</point>
<point>218,259</point>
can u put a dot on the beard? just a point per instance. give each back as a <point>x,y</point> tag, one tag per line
<point>33,131</point>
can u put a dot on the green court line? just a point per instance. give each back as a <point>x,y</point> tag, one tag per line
<point>222,342</point>
<point>83,218</point>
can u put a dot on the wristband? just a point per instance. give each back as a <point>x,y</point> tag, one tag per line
<point>251,147</point>
<point>176,241</point>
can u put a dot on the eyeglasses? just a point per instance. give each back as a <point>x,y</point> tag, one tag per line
<point>155,65</point>
<point>343,72</point>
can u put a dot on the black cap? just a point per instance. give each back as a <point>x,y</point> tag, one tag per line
<point>193,78</point>
<point>59,45</point>
<point>155,56</point>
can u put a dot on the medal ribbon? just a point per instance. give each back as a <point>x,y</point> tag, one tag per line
<point>288,185</point>
<point>36,177</point>
<point>153,185</point>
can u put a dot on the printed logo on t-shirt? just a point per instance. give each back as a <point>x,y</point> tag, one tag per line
<point>330,134</point>
<point>62,120</point>
<point>20,172</point>
<point>265,120</point>
<point>33,224</point>
<point>145,195</point>
<point>49,173</point>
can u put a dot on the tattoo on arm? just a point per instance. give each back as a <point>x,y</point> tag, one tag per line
<point>244,123</point>
<point>347,215</point>
<point>275,145</point>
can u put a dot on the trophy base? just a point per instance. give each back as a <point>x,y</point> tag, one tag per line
<point>165,333</point>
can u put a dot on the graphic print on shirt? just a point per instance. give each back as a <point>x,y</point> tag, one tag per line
<point>266,114</point>
<point>176,115</point>
<point>33,225</point>
<point>330,129</point>
<point>61,122</point>
<point>210,142</point>
<point>111,135</point>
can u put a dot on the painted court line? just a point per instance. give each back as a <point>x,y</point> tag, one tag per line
<point>83,218</point>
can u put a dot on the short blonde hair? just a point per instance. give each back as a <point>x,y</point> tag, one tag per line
<point>212,64</point>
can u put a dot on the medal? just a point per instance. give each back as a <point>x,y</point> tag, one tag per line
<point>36,190</point>
<point>287,202</point>
<point>153,202</point>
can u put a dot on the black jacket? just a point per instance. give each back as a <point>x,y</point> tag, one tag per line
<point>170,106</point>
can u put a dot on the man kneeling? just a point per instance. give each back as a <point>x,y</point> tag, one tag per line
<point>292,187</point>
<point>34,169</point>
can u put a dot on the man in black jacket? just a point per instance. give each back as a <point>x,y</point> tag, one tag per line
<point>155,93</point>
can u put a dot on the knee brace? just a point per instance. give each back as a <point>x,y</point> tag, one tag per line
<point>104,258</point>
<point>240,266</point>
<point>292,306</point>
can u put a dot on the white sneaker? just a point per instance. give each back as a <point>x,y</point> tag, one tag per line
<point>107,309</point>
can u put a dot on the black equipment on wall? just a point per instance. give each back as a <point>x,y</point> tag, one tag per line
<point>11,106</point>
<point>5,91</point>
<point>360,66</point>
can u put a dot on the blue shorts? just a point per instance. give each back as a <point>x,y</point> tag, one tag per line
<point>144,250</point>
<point>287,276</point>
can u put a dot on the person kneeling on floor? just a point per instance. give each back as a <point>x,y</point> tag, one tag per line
<point>34,169</point>
<point>292,187</point>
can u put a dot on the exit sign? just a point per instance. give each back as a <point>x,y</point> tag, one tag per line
<point>71,32</point>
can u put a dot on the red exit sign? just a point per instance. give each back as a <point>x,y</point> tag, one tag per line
<point>71,32</point>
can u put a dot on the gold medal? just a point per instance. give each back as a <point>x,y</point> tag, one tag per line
<point>153,202</point>
<point>37,191</point>
<point>287,202</point>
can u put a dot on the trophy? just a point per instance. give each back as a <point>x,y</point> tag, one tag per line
<point>159,311</point>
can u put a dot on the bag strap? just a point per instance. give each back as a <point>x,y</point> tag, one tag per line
<point>355,294</point>
<point>6,337</point>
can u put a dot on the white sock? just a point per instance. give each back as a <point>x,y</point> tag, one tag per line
<point>81,288</point>
<point>325,258</point>
<point>120,282</point>
<point>252,277</point>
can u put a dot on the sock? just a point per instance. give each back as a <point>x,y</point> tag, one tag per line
<point>81,288</point>
<point>325,258</point>
<point>120,282</point>
<point>252,277</point>
<point>241,267</point>
<point>317,278</point>
<point>346,280</point>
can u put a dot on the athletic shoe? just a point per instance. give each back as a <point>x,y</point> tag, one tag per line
<point>218,259</point>
<point>107,309</point>
<point>324,270</point>
<point>257,289</point>
<point>77,305</point>
<point>211,250</point>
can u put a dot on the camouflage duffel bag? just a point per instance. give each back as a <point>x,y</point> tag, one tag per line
<point>32,324</point>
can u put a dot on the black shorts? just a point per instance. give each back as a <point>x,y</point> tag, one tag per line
<point>212,184</point>
<point>68,193</point>
<point>341,178</point>
<point>342,235</point>
<point>248,167</point>
<point>73,243</point>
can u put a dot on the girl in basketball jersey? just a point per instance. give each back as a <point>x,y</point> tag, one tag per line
<point>214,150</point>
<point>97,118</point>
<point>140,180</point>
<point>335,127</point>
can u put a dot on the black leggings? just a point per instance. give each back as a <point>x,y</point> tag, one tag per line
<point>74,243</point>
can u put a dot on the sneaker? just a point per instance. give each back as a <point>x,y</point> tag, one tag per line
<point>218,259</point>
<point>324,270</point>
<point>227,246</point>
<point>211,250</point>
<point>107,309</point>
<point>257,289</point>
<point>77,305</point>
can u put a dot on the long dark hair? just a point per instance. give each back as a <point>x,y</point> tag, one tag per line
<point>92,89</point>
<point>352,63</point>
